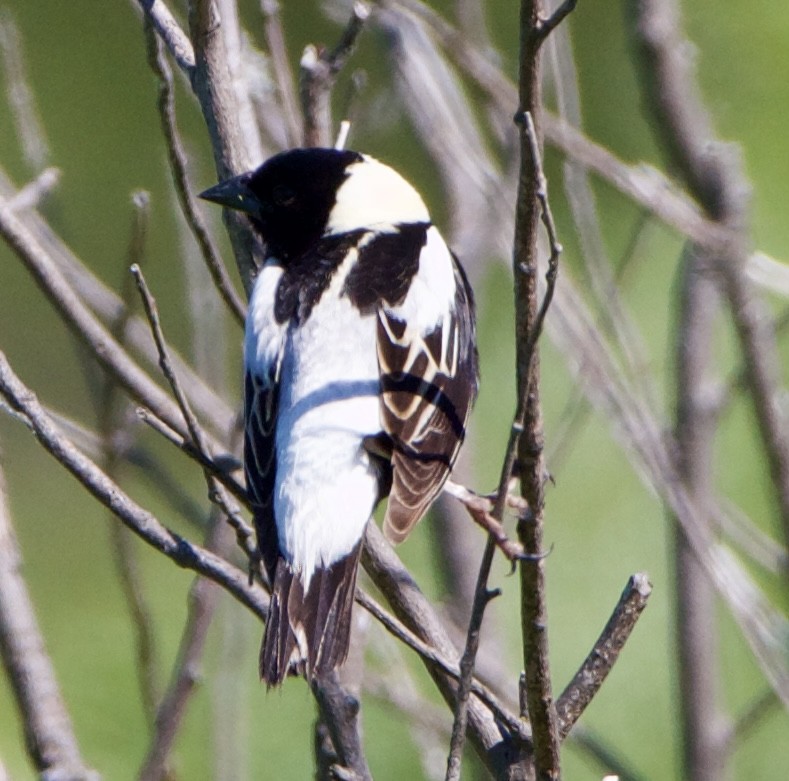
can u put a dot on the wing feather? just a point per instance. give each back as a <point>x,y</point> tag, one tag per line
<point>428,386</point>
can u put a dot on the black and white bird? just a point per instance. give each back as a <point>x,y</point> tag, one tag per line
<point>360,372</point>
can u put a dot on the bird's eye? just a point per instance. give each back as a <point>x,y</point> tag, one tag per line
<point>282,195</point>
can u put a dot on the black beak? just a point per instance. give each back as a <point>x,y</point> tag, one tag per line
<point>234,194</point>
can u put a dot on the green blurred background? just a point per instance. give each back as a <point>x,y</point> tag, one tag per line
<point>96,98</point>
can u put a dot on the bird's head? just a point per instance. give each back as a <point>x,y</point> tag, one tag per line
<point>298,196</point>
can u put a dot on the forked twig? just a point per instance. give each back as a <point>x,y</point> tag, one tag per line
<point>319,70</point>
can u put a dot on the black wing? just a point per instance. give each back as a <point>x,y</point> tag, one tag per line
<point>260,462</point>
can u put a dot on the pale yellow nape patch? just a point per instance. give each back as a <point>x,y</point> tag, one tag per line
<point>375,196</point>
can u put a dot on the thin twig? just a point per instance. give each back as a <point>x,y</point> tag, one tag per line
<point>216,466</point>
<point>749,719</point>
<point>217,492</point>
<point>431,655</point>
<point>49,735</point>
<point>88,329</point>
<point>590,676</point>
<point>318,73</point>
<point>212,84</point>
<point>609,760</point>
<point>183,187</point>
<point>283,75</point>
<point>504,753</point>
<point>714,175</point>
<point>176,40</point>
<point>547,26</point>
<point>108,307</point>
<point>202,601</point>
<point>184,553</point>
<point>21,98</point>
<point>32,195</point>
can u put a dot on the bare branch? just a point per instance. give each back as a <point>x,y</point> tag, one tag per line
<point>340,712</point>
<point>749,719</point>
<point>713,174</point>
<point>217,492</point>
<point>35,192</point>
<point>529,317</point>
<point>548,25</point>
<point>186,673</point>
<point>696,622</point>
<point>21,100</point>
<point>216,467</point>
<point>319,70</point>
<point>508,757</point>
<point>49,735</point>
<point>431,655</point>
<point>141,522</point>
<point>590,677</point>
<point>212,83</point>
<point>99,299</point>
<point>283,75</point>
<point>176,40</point>
<point>183,187</point>
<point>85,326</point>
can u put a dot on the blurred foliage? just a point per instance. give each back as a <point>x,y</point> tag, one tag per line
<point>96,98</point>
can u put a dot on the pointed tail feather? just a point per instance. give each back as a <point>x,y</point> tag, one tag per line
<point>309,633</point>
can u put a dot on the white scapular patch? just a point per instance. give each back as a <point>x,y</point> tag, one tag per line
<point>431,296</point>
<point>326,486</point>
<point>374,196</point>
<point>264,336</point>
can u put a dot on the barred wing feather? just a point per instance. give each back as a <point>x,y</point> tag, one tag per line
<point>428,385</point>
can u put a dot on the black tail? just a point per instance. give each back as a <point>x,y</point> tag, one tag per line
<point>309,633</point>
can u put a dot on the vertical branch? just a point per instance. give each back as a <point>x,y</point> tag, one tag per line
<point>696,632</point>
<point>528,313</point>
<point>286,87</point>
<point>178,169</point>
<point>49,735</point>
<point>211,82</point>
